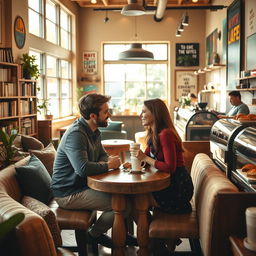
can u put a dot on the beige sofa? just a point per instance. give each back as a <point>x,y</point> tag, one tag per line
<point>219,211</point>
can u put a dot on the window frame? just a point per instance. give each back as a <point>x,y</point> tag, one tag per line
<point>167,62</point>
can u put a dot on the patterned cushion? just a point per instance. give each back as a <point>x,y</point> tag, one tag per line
<point>47,214</point>
<point>29,142</point>
<point>47,156</point>
<point>35,180</point>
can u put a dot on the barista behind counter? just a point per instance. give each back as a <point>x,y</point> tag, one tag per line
<point>238,107</point>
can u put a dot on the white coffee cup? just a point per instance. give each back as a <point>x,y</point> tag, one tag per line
<point>137,165</point>
<point>134,148</point>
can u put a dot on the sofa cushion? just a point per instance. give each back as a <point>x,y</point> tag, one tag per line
<point>46,155</point>
<point>35,180</point>
<point>29,142</point>
<point>47,214</point>
<point>113,126</point>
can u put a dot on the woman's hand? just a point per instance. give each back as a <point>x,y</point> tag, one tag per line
<point>140,155</point>
<point>127,165</point>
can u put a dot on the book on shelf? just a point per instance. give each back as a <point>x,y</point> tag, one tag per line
<point>6,55</point>
<point>7,89</point>
<point>8,108</point>
<point>9,126</point>
<point>28,125</point>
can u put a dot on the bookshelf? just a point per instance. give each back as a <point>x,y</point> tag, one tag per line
<point>18,102</point>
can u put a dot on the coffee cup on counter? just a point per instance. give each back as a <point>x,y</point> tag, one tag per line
<point>250,240</point>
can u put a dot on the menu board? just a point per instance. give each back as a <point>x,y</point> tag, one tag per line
<point>234,43</point>
<point>187,54</point>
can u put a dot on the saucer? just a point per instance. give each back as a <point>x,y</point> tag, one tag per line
<point>136,171</point>
<point>249,246</point>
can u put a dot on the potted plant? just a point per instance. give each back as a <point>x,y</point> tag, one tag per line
<point>44,106</point>
<point>30,68</point>
<point>8,152</point>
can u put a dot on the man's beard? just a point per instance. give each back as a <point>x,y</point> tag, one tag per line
<point>103,123</point>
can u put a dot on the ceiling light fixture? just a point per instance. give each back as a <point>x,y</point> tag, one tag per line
<point>94,1</point>
<point>136,52</point>
<point>185,20</point>
<point>181,27</point>
<point>133,9</point>
<point>194,1</point>
<point>178,34</point>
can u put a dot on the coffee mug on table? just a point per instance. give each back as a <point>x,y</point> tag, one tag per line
<point>137,165</point>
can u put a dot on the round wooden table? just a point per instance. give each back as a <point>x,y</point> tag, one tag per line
<point>117,147</point>
<point>121,183</point>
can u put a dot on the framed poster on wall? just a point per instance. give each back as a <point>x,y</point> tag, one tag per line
<point>234,43</point>
<point>185,82</point>
<point>187,54</point>
<point>90,63</point>
<point>211,46</point>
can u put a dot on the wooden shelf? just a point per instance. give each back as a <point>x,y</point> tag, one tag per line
<point>209,68</point>
<point>248,77</point>
<point>243,89</point>
<point>210,91</point>
<point>216,66</point>
<point>8,64</point>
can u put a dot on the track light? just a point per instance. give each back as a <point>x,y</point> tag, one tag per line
<point>181,28</point>
<point>185,20</point>
<point>178,34</point>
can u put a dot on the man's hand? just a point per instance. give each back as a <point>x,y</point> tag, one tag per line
<point>114,162</point>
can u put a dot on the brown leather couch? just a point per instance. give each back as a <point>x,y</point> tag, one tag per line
<point>32,234</point>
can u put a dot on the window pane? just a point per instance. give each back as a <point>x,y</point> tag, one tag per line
<point>51,11</point>
<point>156,72</point>
<point>51,32</point>
<point>65,89</point>
<point>160,51</point>
<point>64,39</point>
<point>156,90</point>
<point>51,68</point>
<point>34,4</point>
<point>115,89</point>
<point>34,23</point>
<point>40,92</point>
<point>111,51</point>
<point>114,72</point>
<point>135,72</point>
<point>65,71</point>
<point>64,20</point>
<point>54,108</point>
<point>52,88</point>
<point>66,107</point>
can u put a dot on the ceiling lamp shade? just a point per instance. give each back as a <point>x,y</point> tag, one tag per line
<point>136,52</point>
<point>133,9</point>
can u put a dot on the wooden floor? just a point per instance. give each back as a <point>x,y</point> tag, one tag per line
<point>69,239</point>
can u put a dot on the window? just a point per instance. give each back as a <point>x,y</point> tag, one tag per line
<point>54,85</point>
<point>51,22</point>
<point>130,84</point>
<point>35,13</point>
<point>56,20</point>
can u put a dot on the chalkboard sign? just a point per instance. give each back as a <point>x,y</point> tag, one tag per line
<point>187,54</point>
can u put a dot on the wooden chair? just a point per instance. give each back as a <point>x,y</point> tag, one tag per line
<point>79,221</point>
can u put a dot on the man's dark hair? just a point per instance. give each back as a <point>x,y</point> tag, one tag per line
<point>235,93</point>
<point>91,104</point>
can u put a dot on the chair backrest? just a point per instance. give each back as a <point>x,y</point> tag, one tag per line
<point>209,184</point>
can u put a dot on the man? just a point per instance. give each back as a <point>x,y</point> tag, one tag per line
<point>238,106</point>
<point>80,154</point>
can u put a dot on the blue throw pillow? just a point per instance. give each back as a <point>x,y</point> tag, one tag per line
<point>35,180</point>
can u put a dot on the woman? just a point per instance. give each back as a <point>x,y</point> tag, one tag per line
<point>164,151</point>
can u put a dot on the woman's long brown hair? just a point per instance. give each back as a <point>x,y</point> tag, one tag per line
<point>162,120</point>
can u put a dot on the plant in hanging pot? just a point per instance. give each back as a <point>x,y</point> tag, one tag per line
<point>30,68</point>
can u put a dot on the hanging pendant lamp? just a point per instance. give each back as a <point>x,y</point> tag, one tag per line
<point>133,9</point>
<point>136,52</point>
